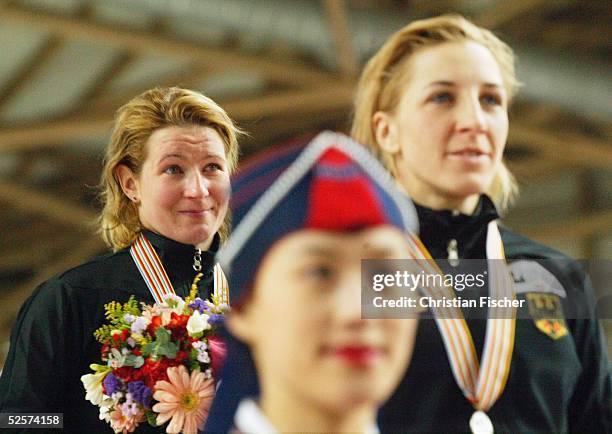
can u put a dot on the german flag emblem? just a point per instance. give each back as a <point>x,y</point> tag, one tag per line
<point>547,314</point>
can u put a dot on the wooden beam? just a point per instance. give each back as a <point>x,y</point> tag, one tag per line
<point>504,11</point>
<point>570,147</point>
<point>581,35</point>
<point>297,102</point>
<point>30,69</point>
<point>31,201</point>
<point>188,78</point>
<point>26,231</point>
<point>300,101</point>
<point>274,131</point>
<point>62,132</point>
<point>120,64</point>
<point>141,42</point>
<point>537,168</point>
<point>335,12</point>
<point>22,257</point>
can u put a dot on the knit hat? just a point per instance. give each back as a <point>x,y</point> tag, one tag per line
<point>330,184</point>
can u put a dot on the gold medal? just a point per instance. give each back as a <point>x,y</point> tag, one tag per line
<point>480,423</point>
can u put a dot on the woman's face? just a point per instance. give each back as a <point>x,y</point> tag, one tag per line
<point>183,188</point>
<point>450,127</point>
<point>303,322</point>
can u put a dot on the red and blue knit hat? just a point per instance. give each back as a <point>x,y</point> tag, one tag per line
<point>331,184</point>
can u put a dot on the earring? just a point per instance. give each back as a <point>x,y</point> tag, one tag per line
<point>135,199</point>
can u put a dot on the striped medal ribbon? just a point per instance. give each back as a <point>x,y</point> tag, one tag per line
<point>482,384</point>
<point>155,276</point>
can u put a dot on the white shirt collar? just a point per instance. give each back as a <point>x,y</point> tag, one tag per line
<point>250,419</point>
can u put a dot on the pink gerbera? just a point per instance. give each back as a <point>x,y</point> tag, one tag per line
<point>124,423</point>
<point>185,399</point>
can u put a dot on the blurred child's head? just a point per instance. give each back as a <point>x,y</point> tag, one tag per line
<point>294,269</point>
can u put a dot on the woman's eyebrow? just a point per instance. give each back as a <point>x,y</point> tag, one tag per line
<point>172,155</point>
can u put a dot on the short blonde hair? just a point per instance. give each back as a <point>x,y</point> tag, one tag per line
<point>380,85</point>
<point>135,121</point>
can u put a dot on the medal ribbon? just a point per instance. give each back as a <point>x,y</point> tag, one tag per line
<point>482,384</point>
<point>155,276</point>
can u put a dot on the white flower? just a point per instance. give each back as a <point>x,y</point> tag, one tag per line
<point>116,359</point>
<point>175,302</point>
<point>197,323</point>
<point>199,345</point>
<point>93,386</point>
<point>105,408</point>
<point>203,357</point>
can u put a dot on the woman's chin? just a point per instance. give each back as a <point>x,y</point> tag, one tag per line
<point>200,238</point>
<point>468,188</point>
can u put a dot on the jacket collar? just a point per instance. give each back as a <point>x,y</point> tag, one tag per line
<point>439,227</point>
<point>448,219</point>
<point>178,257</point>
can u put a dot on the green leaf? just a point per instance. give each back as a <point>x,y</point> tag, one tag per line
<point>135,361</point>
<point>152,418</point>
<point>161,346</point>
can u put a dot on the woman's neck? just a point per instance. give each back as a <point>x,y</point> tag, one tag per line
<point>290,414</point>
<point>439,201</point>
<point>205,245</point>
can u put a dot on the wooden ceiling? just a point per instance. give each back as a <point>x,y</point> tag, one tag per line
<point>67,65</point>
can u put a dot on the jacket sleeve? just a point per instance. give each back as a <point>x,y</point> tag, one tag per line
<point>591,406</point>
<point>36,365</point>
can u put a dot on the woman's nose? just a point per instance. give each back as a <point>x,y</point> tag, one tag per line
<point>197,186</point>
<point>471,116</point>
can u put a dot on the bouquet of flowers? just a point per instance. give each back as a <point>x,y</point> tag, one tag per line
<point>157,363</point>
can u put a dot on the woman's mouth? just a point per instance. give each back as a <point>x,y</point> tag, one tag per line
<point>469,155</point>
<point>196,213</point>
<point>357,355</point>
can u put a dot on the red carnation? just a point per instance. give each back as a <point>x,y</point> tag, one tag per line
<point>126,373</point>
<point>156,322</point>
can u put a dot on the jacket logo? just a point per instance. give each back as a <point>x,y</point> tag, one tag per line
<point>547,314</point>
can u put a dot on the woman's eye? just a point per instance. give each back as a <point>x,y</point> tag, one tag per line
<point>491,100</point>
<point>172,170</point>
<point>442,98</point>
<point>213,167</point>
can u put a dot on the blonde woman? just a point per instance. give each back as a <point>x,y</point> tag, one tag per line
<point>432,104</point>
<point>165,182</point>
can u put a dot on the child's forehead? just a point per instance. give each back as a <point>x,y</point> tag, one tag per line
<point>308,241</point>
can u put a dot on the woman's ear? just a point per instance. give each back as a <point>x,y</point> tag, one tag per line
<point>385,132</point>
<point>128,181</point>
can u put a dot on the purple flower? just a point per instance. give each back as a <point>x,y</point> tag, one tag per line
<point>111,384</point>
<point>140,393</point>
<point>139,325</point>
<point>216,319</point>
<point>198,304</point>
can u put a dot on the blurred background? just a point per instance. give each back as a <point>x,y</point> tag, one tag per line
<point>281,68</point>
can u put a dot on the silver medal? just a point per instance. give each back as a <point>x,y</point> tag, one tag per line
<point>480,423</point>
